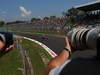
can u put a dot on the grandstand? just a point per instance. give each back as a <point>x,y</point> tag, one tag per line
<point>92,13</point>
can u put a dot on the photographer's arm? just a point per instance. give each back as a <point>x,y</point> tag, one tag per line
<point>60,59</point>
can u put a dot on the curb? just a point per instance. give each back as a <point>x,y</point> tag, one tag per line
<point>53,54</point>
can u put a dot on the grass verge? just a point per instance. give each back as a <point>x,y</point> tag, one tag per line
<point>39,57</point>
<point>10,63</point>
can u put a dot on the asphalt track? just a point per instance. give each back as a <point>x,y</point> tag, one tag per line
<point>57,44</point>
<point>54,43</point>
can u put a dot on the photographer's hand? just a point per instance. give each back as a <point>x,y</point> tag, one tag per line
<point>61,58</point>
<point>10,47</point>
<point>68,46</point>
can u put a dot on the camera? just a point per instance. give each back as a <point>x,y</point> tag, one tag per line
<point>84,38</point>
<point>7,39</point>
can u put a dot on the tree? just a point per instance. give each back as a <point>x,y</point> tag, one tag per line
<point>16,22</point>
<point>71,15</point>
<point>2,23</point>
<point>74,15</point>
<point>35,19</point>
<point>52,17</point>
<point>46,18</point>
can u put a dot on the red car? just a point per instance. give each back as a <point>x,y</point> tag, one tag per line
<point>44,37</point>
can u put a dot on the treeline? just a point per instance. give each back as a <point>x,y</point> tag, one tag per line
<point>3,23</point>
<point>15,22</point>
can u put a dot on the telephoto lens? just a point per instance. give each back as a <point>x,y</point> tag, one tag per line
<point>83,38</point>
<point>92,37</point>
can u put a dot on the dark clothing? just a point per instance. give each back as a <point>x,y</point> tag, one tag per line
<point>82,67</point>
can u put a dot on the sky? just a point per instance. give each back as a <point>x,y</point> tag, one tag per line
<point>11,10</point>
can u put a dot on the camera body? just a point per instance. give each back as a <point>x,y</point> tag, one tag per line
<point>84,38</point>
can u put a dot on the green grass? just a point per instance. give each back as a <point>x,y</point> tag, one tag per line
<point>39,57</point>
<point>10,63</point>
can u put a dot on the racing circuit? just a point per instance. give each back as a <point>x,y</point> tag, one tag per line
<point>57,44</point>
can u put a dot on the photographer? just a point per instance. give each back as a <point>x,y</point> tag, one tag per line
<point>64,65</point>
<point>6,42</point>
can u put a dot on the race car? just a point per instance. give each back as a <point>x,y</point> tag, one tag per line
<point>45,37</point>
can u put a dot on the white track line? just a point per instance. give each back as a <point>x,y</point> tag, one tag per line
<point>53,54</point>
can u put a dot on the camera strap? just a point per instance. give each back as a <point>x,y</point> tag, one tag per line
<point>98,47</point>
<point>3,37</point>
